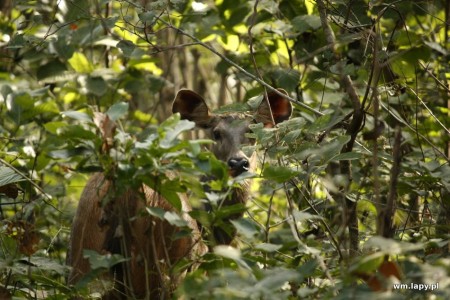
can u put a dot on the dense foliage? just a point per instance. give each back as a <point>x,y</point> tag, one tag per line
<point>351,197</point>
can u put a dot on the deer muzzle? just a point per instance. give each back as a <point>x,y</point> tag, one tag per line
<point>238,165</point>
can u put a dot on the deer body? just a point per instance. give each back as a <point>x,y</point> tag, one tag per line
<point>119,227</point>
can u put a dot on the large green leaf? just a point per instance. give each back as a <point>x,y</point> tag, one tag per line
<point>8,175</point>
<point>245,228</point>
<point>118,110</point>
<point>279,174</point>
<point>96,85</point>
<point>51,69</point>
<point>172,133</point>
<point>80,63</point>
<point>306,23</point>
<point>325,122</point>
<point>77,115</point>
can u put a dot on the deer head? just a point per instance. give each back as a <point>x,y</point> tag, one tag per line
<point>229,130</point>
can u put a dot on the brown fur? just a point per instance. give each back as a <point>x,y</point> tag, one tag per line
<point>121,227</point>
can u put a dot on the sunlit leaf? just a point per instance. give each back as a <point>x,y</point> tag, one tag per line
<point>174,219</point>
<point>77,115</point>
<point>80,63</point>
<point>267,247</point>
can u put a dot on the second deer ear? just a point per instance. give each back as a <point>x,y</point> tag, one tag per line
<point>192,107</point>
<point>280,108</point>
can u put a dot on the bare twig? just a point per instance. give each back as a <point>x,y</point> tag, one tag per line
<point>325,224</point>
<point>386,215</point>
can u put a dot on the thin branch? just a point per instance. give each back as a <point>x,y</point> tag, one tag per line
<point>388,222</point>
<point>325,224</point>
<point>398,118</point>
<point>31,182</point>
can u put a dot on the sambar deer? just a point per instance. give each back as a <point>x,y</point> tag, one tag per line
<point>147,242</point>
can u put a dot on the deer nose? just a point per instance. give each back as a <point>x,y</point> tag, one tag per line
<point>238,165</point>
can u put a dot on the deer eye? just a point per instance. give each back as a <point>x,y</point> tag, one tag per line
<point>217,135</point>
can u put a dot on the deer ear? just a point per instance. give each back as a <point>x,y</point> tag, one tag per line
<point>280,107</point>
<point>192,107</point>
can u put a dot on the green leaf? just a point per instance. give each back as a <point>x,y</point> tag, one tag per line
<point>268,247</point>
<point>390,246</point>
<point>76,10</point>
<point>325,122</point>
<point>129,49</point>
<point>204,217</point>
<point>231,253</point>
<point>229,210</point>
<point>285,78</point>
<point>24,100</point>
<point>68,153</point>
<point>255,102</point>
<point>96,86</point>
<point>246,228</point>
<point>228,252</point>
<point>148,16</point>
<point>77,132</point>
<point>279,174</point>
<point>64,49</point>
<point>156,212</point>
<point>174,219</point>
<point>304,216</point>
<point>329,150</point>
<point>18,41</point>
<point>99,261</point>
<point>47,107</point>
<point>343,68</point>
<point>5,90</point>
<point>50,69</point>
<point>77,115</point>
<point>292,136</point>
<point>80,63</point>
<point>8,175</point>
<point>276,278</point>
<point>53,127</point>
<point>348,156</point>
<point>173,133</point>
<point>237,14</point>
<point>118,110</point>
<point>232,108</point>
<point>48,264</point>
<point>305,23</point>
<point>111,21</point>
<point>367,264</point>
